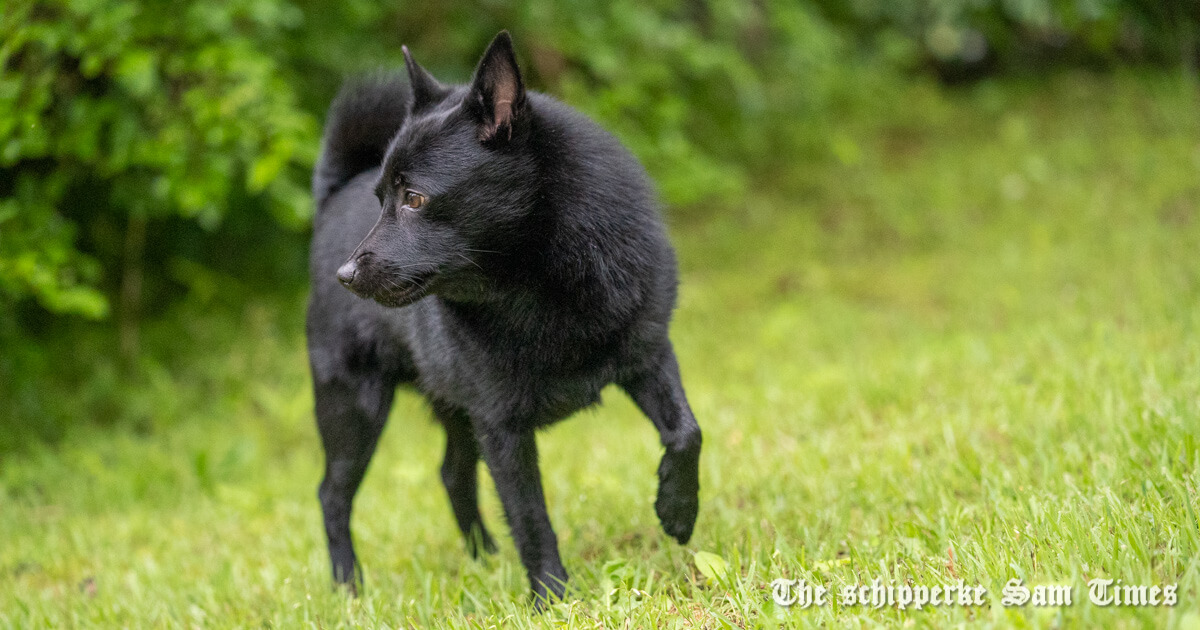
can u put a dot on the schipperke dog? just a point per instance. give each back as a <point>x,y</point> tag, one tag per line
<point>515,263</point>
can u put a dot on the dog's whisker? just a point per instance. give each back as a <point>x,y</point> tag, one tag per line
<point>393,267</point>
<point>468,259</point>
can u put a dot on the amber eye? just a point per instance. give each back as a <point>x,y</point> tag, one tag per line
<point>414,200</point>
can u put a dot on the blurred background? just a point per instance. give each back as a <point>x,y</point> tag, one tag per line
<point>155,156</point>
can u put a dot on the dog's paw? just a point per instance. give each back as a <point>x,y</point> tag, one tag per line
<point>480,543</point>
<point>678,499</point>
<point>548,588</point>
<point>347,576</point>
<point>677,514</point>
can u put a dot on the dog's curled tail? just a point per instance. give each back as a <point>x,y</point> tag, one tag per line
<point>367,112</point>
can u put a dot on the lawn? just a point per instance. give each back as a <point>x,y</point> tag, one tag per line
<point>962,341</point>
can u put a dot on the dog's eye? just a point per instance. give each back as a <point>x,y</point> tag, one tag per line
<point>414,200</point>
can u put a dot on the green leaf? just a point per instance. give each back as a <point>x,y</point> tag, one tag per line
<point>711,565</point>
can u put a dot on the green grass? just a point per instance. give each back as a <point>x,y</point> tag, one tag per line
<point>968,347</point>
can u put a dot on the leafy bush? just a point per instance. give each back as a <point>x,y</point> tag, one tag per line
<point>116,113</point>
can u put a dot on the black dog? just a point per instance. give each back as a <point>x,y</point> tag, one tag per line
<point>518,267</point>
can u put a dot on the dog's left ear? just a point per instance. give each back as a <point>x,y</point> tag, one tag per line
<point>497,95</point>
<point>426,91</point>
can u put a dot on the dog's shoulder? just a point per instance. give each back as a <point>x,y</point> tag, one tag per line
<point>607,244</point>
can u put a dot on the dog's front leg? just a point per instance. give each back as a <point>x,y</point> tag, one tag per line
<point>659,393</point>
<point>512,458</point>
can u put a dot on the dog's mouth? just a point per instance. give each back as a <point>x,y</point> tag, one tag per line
<point>402,295</point>
<point>393,293</point>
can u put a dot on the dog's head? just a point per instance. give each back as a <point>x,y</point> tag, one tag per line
<point>456,183</point>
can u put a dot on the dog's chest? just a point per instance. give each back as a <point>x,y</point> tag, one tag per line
<point>520,398</point>
<point>527,380</point>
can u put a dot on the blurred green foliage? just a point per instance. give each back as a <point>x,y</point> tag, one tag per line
<point>113,109</point>
<point>960,38</point>
<point>156,154</point>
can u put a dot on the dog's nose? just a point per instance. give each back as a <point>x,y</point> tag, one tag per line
<point>346,272</point>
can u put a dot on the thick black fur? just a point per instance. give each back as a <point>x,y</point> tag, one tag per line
<point>535,271</point>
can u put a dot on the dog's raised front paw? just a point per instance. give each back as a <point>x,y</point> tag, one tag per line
<point>678,496</point>
<point>677,514</point>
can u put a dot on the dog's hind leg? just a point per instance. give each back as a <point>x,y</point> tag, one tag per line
<point>460,475</point>
<point>511,457</point>
<point>352,407</point>
<point>659,393</point>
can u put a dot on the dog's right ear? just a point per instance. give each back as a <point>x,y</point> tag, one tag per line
<point>497,95</point>
<point>426,90</point>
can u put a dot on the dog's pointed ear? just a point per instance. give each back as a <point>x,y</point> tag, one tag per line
<point>426,90</point>
<point>497,94</point>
